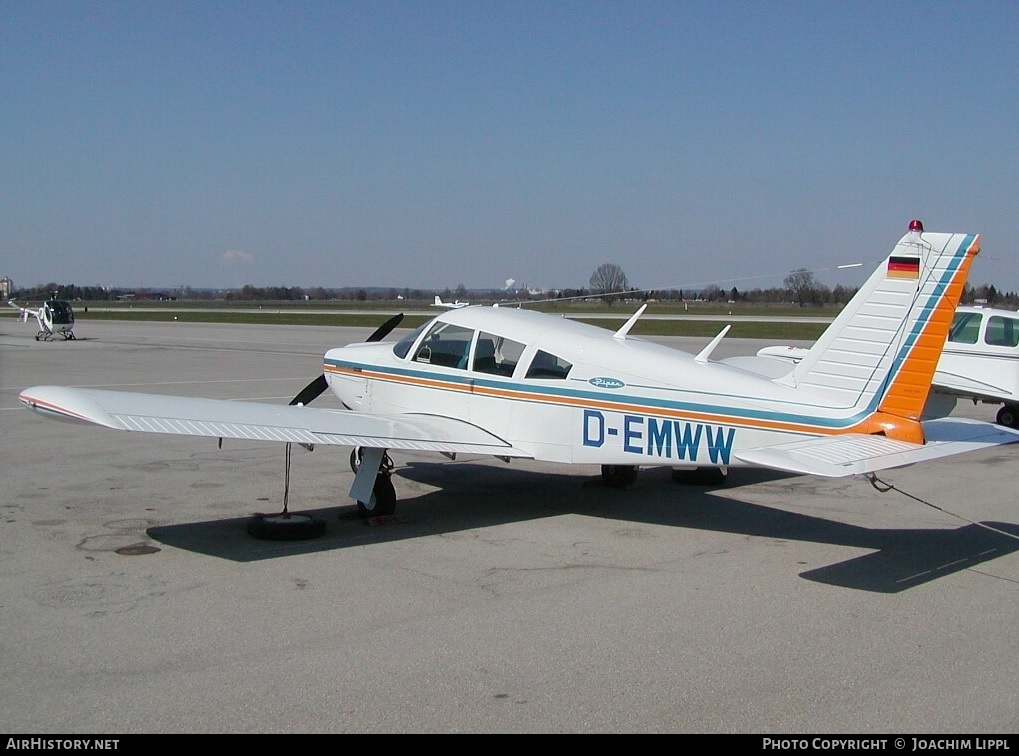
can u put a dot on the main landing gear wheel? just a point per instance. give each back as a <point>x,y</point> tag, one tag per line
<point>286,527</point>
<point>383,500</point>
<point>1007,416</point>
<point>699,476</point>
<point>618,476</point>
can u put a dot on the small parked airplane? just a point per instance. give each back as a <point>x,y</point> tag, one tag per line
<point>449,305</point>
<point>54,317</point>
<point>512,383</point>
<point>980,362</point>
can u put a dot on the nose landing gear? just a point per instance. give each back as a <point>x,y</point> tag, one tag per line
<point>382,501</point>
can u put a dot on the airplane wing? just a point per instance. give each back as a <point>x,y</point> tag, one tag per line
<point>188,416</point>
<point>970,385</point>
<point>855,454</point>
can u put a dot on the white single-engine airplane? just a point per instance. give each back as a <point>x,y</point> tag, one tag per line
<point>449,305</point>
<point>513,383</point>
<point>54,317</point>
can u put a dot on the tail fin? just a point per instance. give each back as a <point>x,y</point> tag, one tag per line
<point>880,353</point>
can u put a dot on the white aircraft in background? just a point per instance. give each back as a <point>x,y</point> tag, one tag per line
<point>54,317</point>
<point>449,305</point>
<point>512,383</point>
<point>980,362</point>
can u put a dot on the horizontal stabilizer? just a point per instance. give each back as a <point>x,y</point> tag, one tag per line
<point>189,416</point>
<point>855,454</point>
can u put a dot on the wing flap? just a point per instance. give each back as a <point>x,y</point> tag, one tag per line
<point>855,454</point>
<point>189,416</point>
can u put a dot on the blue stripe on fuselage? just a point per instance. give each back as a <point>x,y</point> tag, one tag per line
<point>621,402</point>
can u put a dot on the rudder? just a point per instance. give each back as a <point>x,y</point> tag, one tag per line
<point>880,353</point>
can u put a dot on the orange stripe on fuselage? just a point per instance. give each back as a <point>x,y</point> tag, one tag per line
<point>868,425</point>
<point>908,392</point>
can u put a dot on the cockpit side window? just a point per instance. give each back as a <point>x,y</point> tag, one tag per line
<point>1002,332</point>
<point>496,355</point>
<point>546,365</point>
<point>447,345</point>
<point>965,328</point>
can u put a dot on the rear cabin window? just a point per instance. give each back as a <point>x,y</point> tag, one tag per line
<point>965,328</point>
<point>1002,331</point>
<point>446,345</point>
<point>548,366</point>
<point>496,355</point>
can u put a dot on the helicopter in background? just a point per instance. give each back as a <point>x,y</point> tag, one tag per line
<point>55,317</point>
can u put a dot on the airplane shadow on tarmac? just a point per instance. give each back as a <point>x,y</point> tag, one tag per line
<point>472,496</point>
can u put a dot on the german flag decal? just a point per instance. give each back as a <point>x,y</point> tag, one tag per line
<point>903,267</point>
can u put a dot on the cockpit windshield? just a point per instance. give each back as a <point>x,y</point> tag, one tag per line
<point>402,347</point>
<point>60,311</point>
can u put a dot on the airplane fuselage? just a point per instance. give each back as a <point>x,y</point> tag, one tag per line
<point>655,406</point>
<point>981,356</point>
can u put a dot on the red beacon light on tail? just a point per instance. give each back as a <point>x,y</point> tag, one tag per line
<point>915,225</point>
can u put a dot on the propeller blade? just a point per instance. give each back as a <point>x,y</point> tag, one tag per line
<point>383,330</point>
<point>311,391</point>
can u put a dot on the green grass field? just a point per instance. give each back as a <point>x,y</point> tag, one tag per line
<point>373,316</point>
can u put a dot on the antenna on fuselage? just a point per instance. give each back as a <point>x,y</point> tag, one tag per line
<point>621,333</point>
<point>703,355</point>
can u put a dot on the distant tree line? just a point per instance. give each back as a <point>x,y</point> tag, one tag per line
<point>247,293</point>
<point>610,284</point>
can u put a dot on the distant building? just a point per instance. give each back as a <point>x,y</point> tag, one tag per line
<point>6,287</point>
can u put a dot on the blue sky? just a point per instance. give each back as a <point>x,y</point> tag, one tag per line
<point>431,144</point>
